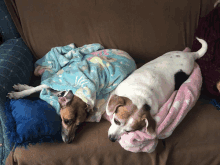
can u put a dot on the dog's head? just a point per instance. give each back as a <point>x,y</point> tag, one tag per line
<point>127,117</point>
<point>73,112</point>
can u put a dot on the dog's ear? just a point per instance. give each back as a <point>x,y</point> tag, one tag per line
<point>150,122</point>
<point>66,99</point>
<point>89,108</point>
<point>113,102</point>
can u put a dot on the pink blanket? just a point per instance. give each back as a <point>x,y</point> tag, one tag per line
<point>168,117</point>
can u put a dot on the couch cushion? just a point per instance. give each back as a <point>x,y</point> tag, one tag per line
<point>16,66</point>
<point>195,141</point>
<point>144,29</point>
<point>7,27</point>
<point>91,146</point>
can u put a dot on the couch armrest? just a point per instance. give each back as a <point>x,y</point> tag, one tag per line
<point>7,26</point>
<point>16,66</point>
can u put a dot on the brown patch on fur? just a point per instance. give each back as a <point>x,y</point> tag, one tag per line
<point>75,109</point>
<point>114,102</point>
<point>123,112</point>
<point>138,124</point>
<point>124,109</point>
<point>75,113</point>
<point>151,122</point>
<point>66,113</point>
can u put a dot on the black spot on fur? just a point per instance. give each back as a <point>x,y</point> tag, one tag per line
<point>180,77</point>
<point>146,107</point>
<point>177,55</point>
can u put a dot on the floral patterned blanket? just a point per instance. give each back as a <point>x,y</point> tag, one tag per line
<point>90,72</point>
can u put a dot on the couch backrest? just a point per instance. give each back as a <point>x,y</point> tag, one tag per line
<point>144,28</point>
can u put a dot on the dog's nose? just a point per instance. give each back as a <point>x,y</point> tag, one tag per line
<point>66,139</point>
<point>112,138</point>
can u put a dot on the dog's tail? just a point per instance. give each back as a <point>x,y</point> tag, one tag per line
<point>203,49</point>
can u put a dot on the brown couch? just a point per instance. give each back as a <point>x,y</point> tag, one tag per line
<point>144,29</point>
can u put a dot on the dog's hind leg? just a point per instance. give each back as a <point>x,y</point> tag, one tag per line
<point>27,92</point>
<point>22,87</point>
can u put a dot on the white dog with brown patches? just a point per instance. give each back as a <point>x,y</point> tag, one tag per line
<point>139,97</point>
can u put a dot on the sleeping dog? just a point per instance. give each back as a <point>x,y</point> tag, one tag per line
<point>82,79</point>
<point>139,97</point>
<point>73,110</point>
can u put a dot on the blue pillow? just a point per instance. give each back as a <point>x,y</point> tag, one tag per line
<point>31,121</point>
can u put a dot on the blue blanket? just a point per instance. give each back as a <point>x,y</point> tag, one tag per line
<point>90,72</point>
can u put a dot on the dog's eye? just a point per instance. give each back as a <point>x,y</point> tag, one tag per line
<point>129,130</point>
<point>116,111</point>
<point>67,122</point>
<point>117,122</point>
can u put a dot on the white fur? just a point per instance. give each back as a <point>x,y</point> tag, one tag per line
<point>25,90</point>
<point>154,82</point>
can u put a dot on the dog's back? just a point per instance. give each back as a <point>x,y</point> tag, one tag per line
<point>155,81</point>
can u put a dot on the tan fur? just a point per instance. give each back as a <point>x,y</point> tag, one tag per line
<point>123,113</point>
<point>126,112</point>
<point>138,124</point>
<point>76,113</point>
<point>66,113</point>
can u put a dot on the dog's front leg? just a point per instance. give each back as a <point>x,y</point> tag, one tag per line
<point>27,92</point>
<point>22,87</point>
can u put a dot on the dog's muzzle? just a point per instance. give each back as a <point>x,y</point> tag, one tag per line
<point>66,139</point>
<point>112,138</point>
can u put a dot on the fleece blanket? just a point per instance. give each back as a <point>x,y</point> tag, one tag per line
<point>168,117</point>
<point>90,72</point>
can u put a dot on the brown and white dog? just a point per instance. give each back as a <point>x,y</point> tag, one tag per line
<point>138,98</point>
<point>73,111</point>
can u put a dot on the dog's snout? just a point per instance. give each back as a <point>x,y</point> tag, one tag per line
<point>68,142</point>
<point>112,138</point>
<point>66,139</point>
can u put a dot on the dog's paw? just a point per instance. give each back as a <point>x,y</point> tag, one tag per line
<point>17,87</point>
<point>13,95</point>
<point>10,95</point>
